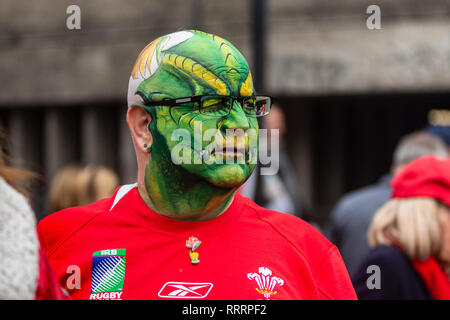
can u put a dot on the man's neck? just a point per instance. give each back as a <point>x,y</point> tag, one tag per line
<point>182,196</point>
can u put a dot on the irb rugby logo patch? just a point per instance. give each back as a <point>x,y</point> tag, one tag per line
<point>108,274</point>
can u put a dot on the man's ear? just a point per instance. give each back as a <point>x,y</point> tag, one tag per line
<point>138,121</point>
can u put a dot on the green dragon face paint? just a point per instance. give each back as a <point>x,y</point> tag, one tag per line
<point>185,64</point>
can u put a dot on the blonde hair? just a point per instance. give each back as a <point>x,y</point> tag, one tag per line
<point>78,186</point>
<point>21,180</point>
<point>411,223</point>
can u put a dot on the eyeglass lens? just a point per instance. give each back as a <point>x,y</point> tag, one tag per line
<point>221,106</point>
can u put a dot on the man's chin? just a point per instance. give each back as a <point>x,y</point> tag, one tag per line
<point>228,175</point>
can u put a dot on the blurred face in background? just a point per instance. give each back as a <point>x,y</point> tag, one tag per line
<point>276,120</point>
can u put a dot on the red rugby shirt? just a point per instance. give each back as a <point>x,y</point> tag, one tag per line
<point>124,250</point>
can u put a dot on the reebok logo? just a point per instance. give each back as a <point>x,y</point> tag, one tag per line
<point>186,290</point>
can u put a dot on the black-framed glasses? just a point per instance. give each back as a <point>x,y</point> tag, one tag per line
<point>216,105</point>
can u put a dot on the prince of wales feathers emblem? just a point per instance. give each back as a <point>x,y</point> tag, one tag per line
<point>266,283</point>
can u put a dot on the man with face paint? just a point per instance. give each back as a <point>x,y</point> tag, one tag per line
<point>182,231</point>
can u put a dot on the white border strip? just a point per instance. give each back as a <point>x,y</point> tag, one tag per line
<point>122,191</point>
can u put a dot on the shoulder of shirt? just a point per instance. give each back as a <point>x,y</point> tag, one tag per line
<point>58,227</point>
<point>55,229</point>
<point>362,195</point>
<point>306,239</point>
<point>360,203</point>
<point>387,255</point>
<point>395,265</point>
<point>389,259</point>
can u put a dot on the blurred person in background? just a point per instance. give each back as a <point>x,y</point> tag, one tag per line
<point>280,191</point>
<point>25,272</point>
<point>350,219</point>
<point>410,237</point>
<point>76,185</point>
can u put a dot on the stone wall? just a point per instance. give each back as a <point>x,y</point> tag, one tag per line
<point>320,48</point>
<point>41,61</point>
<point>314,46</point>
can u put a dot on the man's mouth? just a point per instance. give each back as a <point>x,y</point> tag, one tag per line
<point>227,150</point>
<point>226,155</point>
<point>234,152</point>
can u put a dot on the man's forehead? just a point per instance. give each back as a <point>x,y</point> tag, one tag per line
<point>207,63</point>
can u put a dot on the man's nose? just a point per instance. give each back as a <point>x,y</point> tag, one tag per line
<point>236,119</point>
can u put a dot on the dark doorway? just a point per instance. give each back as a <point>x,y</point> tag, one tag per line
<point>341,143</point>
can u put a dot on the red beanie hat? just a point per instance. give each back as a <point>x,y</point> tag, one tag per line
<point>427,176</point>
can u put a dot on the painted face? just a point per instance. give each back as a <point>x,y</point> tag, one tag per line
<point>192,63</point>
